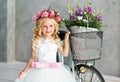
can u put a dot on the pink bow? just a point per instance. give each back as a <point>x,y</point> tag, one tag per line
<point>46,65</point>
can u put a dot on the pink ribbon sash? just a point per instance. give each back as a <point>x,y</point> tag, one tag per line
<point>46,65</point>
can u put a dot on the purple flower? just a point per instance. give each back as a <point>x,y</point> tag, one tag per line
<point>89,10</point>
<point>99,18</point>
<point>78,12</point>
<point>71,17</point>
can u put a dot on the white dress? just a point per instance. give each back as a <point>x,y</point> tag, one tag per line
<point>46,52</point>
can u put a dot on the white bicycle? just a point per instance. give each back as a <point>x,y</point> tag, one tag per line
<point>83,65</point>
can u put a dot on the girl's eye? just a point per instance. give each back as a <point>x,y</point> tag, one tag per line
<point>51,25</point>
<point>44,26</point>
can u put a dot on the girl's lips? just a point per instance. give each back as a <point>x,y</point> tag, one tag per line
<point>48,32</point>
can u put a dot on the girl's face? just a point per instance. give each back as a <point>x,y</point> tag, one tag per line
<point>48,28</point>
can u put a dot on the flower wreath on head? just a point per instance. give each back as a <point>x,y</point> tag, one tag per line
<point>49,13</point>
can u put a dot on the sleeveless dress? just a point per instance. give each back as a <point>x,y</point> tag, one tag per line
<point>46,50</point>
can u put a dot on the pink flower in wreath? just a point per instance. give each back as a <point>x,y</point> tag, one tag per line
<point>34,19</point>
<point>57,18</point>
<point>45,14</point>
<point>51,14</point>
<point>39,13</point>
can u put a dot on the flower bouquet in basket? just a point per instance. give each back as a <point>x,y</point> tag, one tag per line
<point>86,38</point>
<point>85,19</point>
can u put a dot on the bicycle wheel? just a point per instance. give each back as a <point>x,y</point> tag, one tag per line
<point>87,73</point>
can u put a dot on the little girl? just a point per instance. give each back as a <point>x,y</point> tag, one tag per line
<point>42,65</point>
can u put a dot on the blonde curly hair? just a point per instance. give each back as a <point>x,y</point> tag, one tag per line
<point>38,34</point>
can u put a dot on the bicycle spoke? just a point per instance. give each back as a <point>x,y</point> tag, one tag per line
<point>91,75</point>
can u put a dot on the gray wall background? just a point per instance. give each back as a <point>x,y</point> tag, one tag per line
<point>3,27</point>
<point>22,13</point>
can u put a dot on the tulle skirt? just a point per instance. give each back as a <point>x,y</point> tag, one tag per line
<point>60,74</point>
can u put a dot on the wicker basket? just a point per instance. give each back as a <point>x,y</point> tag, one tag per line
<point>86,45</point>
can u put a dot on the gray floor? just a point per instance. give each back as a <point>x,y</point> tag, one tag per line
<point>9,71</point>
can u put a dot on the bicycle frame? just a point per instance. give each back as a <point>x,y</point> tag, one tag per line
<point>78,58</point>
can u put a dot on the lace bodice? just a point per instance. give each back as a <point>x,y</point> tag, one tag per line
<point>46,50</point>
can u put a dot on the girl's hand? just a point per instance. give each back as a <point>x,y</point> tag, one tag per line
<point>65,47</point>
<point>20,75</point>
<point>67,35</point>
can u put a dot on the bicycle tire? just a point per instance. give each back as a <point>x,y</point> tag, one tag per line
<point>91,74</point>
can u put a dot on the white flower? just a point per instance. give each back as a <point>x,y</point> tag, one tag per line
<point>85,20</point>
<point>79,17</point>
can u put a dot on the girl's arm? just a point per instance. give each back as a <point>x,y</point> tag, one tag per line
<point>28,65</point>
<point>31,59</point>
<point>64,49</point>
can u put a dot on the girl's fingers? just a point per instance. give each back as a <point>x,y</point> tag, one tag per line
<point>20,75</point>
<point>68,32</point>
<point>67,35</point>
